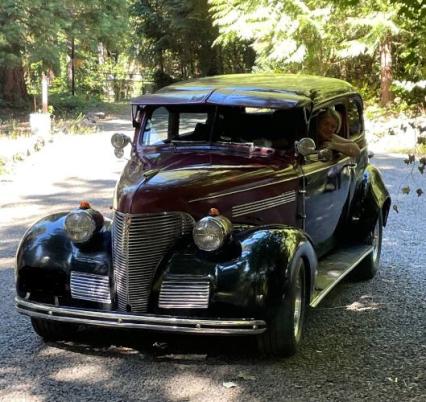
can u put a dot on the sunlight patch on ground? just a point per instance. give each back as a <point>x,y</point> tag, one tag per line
<point>365,303</point>
<point>7,263</point>
<point>192,387</point>
<point>87,373</point>
<point>20,393</point>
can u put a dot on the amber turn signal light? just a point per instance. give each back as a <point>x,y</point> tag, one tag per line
<point>85,205</point>
<point>214,212</point>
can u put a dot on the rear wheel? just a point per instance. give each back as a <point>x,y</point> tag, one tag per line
<point>285,327</point>
<point>368,267</point>
<point>53,330</point>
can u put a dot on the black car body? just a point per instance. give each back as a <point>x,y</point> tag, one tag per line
<point>227,219</point>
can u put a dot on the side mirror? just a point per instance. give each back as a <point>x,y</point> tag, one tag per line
<point>119,141</point>
<point>306,146</point>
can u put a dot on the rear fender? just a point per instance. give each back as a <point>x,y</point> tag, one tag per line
<point>372,197</point>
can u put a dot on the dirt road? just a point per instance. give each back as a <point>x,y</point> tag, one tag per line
<point>366,341</point>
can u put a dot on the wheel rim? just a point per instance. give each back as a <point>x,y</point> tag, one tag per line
<point>376,241</point>
<point>298,305</point>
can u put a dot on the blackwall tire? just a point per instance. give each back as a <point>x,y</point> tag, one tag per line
<point>368,267</point>
<point>285,327</point>
<point>53,330</point>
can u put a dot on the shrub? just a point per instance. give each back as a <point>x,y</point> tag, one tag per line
<point>68,105</point>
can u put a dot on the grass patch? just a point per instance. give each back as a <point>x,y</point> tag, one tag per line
<point>14,128</point>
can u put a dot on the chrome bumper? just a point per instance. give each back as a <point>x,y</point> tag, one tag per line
<point>141,321</point>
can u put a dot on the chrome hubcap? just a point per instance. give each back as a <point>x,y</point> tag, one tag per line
<point>297,317</point>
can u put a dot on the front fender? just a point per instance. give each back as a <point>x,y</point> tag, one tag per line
<point>46,255</point>
<point>252,279</point>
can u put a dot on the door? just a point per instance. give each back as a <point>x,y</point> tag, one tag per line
<point>328,188</point>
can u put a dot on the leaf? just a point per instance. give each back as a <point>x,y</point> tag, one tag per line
<point>421,169</point>
<point>423,160</point>
<point>229,384</point>
<point>406,190</point>
<point>419,192</point>
<point>395,208</point>
<point>411,158</point>
<point>246,376</point>
<point>407,161</point>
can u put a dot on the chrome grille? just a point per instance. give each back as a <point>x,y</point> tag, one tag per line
<point>139,243</point>
<point>90,287</point>
<point>184,291</point>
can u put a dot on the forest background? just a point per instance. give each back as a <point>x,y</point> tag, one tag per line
<point>112,50</point>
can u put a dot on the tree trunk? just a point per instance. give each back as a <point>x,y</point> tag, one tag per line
<point>14,88</point>
<point>72,66</point>
<point>385,71</point>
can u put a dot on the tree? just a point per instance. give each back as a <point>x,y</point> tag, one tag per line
<point>177,40</point>
<point>328,37</point>
<point>90,22</point>
<point>176,36</point>
<point>27,34</point>
<point>34,34</point>
<point>288,35</point>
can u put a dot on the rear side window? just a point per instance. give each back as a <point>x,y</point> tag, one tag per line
<point>355,117</point>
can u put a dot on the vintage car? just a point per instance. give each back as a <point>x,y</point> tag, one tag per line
<point>227,219</point>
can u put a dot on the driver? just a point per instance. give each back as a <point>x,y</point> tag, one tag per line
<point>328,124</point>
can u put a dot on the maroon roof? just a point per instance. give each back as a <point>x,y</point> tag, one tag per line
<point>255,90</point>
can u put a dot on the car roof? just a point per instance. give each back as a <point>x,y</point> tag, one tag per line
<point>252,90</point>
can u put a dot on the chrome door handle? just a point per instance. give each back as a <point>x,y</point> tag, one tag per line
<point>351,166</point>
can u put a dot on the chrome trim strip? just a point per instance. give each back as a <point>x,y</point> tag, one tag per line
<point>266,203</point>
<point>184,291</point>
<point>92,287</point>
<point>315,301</point>
<point>151,322</point>
<point>210,197</point>
<point>295,177</point>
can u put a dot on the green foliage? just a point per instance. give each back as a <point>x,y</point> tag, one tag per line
<point>161,79</point>
<point>177,38</point>
<point>336,38</point>
<point>68,105</point>
<point>98,44</point>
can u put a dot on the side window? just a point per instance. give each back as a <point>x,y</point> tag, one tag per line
<point>155,131</point>
<point>355,117</point>
<point>319,128</point>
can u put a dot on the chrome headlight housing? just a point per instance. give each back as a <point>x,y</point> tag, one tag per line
<point>80,225</point>
<point>211,232</point>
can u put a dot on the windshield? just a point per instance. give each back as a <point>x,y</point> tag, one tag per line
<point>189,124</point>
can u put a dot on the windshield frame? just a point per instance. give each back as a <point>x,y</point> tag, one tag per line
<point>174,145</point>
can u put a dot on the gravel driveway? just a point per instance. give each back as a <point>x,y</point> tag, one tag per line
<point>366,341</point>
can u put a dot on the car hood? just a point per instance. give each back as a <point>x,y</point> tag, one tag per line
<point>194,182</point>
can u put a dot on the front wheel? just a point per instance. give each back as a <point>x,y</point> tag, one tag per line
<point>53,330</point>
<point>285,327</point>
<point>368,267</point>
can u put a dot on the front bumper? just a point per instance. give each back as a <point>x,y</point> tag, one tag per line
<point>151,322</point>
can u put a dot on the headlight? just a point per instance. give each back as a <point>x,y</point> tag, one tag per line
<point>80,225</point>
<point>119,140</point>
<point>211,232</point>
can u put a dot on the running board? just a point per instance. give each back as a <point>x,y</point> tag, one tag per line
<point>333,268</point>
